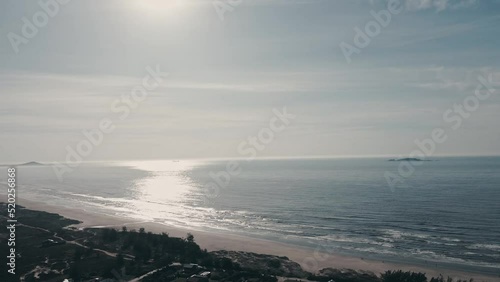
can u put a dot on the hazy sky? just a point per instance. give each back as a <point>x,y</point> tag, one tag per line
<point>226,76</point>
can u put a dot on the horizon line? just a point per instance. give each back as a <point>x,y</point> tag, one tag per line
<point>264,158</point>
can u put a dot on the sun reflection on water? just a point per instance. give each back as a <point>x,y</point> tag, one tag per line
<point>163,192</point>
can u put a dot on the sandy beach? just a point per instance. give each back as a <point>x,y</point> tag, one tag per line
<point>310,259</point>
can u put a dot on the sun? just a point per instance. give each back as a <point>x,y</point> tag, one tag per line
<point>161,7</point>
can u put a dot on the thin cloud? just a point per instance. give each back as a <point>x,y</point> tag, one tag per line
<point>443,32</point>
<point>438,5</point>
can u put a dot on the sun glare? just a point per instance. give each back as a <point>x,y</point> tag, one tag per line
<point>161,7</point>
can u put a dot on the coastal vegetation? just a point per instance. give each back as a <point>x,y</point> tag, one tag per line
<point>50,249</point>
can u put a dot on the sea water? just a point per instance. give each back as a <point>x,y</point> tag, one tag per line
<point>446,213</point>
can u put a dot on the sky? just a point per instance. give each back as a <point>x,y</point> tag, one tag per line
<point>232,64</point>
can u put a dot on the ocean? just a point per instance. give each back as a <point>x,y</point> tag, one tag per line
<point>446,214</point>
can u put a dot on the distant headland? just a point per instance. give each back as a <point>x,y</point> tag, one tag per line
<point>31,164</point>
<point>24,164</point>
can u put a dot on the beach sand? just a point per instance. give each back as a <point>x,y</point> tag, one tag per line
<point>310,259</point>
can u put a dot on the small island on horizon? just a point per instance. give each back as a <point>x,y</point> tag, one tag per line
<point>409,160</point>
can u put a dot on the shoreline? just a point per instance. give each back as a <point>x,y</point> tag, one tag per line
<point>311,260</point>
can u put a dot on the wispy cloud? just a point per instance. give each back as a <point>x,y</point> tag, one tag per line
<point>457,80</point>
<point>438,5</point>
<point>410,37</point>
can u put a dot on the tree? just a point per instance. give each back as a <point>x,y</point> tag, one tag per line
<point>120,261</point>
<point>78,254</point>
<point>190,238</point>
<point>74,272</point>
<point>274,263</point>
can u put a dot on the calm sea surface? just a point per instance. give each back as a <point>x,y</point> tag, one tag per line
<point>447,213</point>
